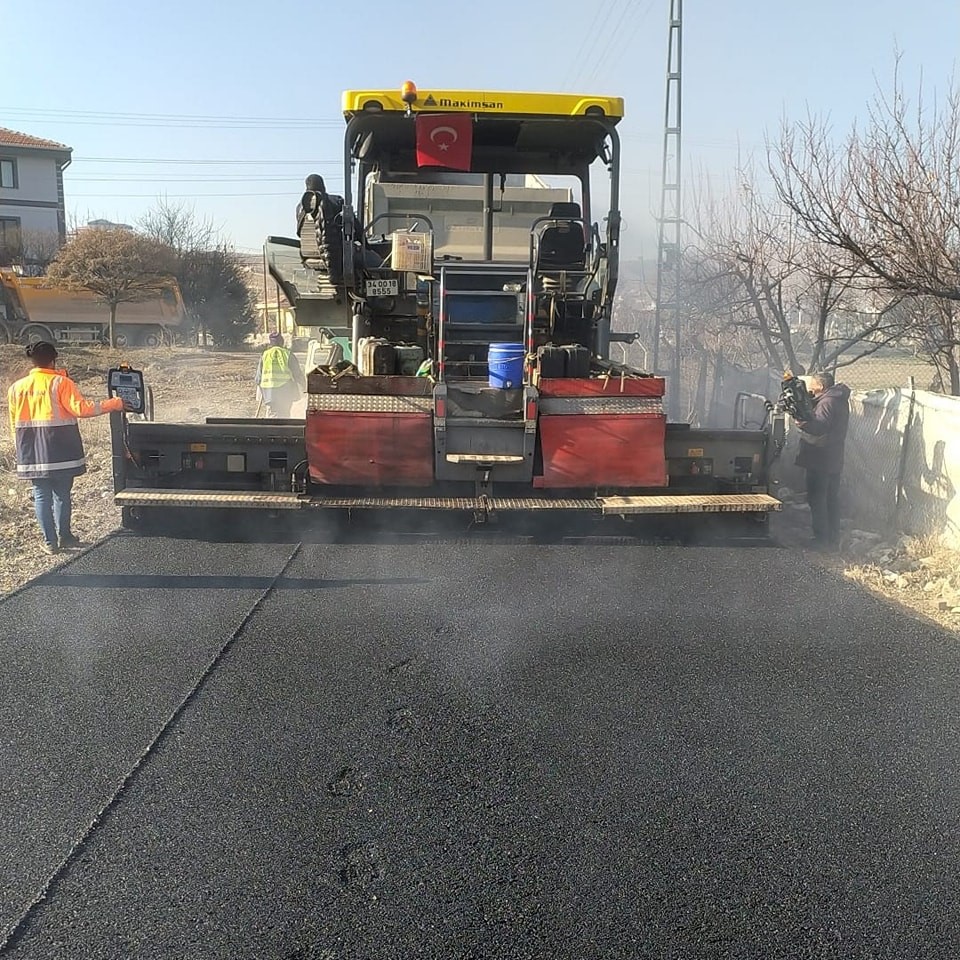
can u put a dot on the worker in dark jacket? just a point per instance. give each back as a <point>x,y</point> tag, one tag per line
<point>822,439</point>
<point>44,408</point>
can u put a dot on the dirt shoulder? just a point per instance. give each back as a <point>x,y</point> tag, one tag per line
<point>188,385</point>
<point>191,384</point>
<point>914,573</point>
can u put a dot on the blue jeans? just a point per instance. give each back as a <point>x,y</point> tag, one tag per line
<point>51,501</point>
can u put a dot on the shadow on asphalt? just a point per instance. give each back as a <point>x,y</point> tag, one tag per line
<point>127,581</point>
<point>399,527</point>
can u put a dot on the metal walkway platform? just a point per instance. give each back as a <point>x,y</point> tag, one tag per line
<point>615,506</point>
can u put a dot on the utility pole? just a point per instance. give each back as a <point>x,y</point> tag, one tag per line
<point>671,216</point>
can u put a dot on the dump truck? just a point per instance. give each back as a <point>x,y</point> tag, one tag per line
<point>470,267</point>
<point>35,308</point>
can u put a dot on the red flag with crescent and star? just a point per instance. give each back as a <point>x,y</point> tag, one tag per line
<point>444,140</point>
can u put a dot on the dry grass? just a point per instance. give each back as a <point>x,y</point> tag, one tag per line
<point>917,574</point>
<point>921,575</point>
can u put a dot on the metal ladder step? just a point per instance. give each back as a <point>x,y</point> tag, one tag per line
<point>514,423</point>
<point>484,458</point>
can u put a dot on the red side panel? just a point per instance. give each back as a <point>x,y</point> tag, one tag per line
<point>370,449</point>
<point>603,450</point>
<point>600,387</point>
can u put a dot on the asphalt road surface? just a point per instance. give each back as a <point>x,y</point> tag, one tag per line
<point>472,749</point>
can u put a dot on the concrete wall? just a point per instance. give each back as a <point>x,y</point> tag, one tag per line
<point>36,199</point>
<point>36,176</point>
<point>33,220</point>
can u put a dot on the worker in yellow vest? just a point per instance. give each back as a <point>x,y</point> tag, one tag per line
<point>279,378</point>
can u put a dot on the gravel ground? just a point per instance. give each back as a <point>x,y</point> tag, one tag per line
<point>175,376</point>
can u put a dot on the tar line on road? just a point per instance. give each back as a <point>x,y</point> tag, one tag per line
<point>10,936</point>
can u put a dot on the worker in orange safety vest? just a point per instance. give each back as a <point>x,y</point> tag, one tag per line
<point>44,408</point>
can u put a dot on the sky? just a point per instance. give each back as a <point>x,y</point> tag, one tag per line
<point>226,107</point>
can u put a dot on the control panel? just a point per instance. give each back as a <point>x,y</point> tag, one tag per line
<point>127,383</point>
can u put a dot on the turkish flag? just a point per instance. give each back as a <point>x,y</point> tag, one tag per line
<point>444,140</point>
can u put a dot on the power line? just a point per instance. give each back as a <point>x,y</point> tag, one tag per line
<point>305,163</point>
<point>617,40</point>
<point>589,40</point>
<point>173,196</point>
<point>613,38</point>
<point>100,118</point>
<point>603,21</point>
<point>700,142</point>
<point>181,124</point>
<point>210,178</point>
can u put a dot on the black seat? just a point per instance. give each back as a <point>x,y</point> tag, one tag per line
<point>562,245</point>
<point>319,228</point>
<point>307,228</point>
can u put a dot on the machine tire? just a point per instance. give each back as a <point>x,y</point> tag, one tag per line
<point>34,333</point>
<point>154,337</point>
<point>132,518</point>
<point>5,335</point>
<point>125,336</point>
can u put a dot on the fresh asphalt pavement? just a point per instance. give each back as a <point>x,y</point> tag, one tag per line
<point>472,748</point>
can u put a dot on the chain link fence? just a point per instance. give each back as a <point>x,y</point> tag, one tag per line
<point>706,391</point>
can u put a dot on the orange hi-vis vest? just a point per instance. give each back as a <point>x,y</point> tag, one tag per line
<point>44,408</point>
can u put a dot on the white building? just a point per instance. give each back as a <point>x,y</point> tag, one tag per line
<point>32,214</point>
<point>109,225</point>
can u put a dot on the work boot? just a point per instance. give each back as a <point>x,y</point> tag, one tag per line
<point>69,542</point>
<point>50,548</point>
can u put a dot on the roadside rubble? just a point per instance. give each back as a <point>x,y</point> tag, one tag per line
<point>918,573</point>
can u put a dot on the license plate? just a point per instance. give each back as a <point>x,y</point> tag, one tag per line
<point>383,288</point>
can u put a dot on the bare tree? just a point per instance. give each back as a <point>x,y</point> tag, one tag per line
<point>32,251</point>
<point>210,275</point>
<point>842,317</point>
<point>936,331</point>
<point>886,202</point>
<point>178,227</point>
<point>213,286</point>
<point>801,308</point>
<point>117,265</point>
<point>40,248</point>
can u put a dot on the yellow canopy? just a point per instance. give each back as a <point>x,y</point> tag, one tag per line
<point>485,102</point>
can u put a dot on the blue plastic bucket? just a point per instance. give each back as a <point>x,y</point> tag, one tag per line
<point>505,364</point>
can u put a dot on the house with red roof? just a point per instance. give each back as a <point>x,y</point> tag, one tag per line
<point>32,212</point>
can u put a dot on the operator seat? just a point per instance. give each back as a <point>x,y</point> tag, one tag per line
<point>562,246</point>
<point>307,229</point>
<point>319,228</point>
